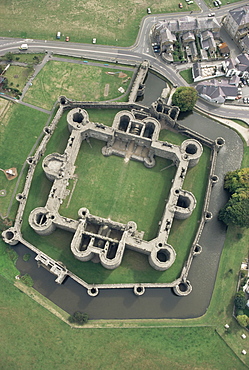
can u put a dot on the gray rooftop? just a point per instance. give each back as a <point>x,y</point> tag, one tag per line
<point>240,15</point>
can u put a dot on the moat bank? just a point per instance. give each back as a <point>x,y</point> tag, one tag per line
<point>156,303</point>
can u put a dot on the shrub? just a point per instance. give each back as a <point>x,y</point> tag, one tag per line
<point>242,320</point>
<point>240,300</point>
<point>239,312</point>
<point>78,318</point>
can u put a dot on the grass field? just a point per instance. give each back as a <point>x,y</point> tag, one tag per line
<point>111,22</point>
<point>76,81</point>
<point>19,129</point>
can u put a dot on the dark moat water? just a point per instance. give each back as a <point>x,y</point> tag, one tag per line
<point>154,87</point>
<point>155,303</point>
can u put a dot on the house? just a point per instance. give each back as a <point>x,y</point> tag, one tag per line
<point>166,39</point>
<point>236,66</point>
<point>237,22</point>
<point>217,91</point>
<point>202,72</point>
<point>187,29</point>
<point>224,49</point>
<point>207,41</point>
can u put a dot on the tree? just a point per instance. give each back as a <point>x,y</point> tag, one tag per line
<point>237,180</point>
<point>78,318</point>
<point>243,320</point>
<point>236,211</point>
<point>240,300</point>
<point>185,98</point>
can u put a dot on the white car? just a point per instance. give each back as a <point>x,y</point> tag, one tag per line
<point>148,10</point>
<point>94,41</point>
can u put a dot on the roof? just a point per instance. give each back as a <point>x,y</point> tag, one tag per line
<point>223,47</point>
<point>242,62</point>
<point>193,48</point>
<point>206,34</point>
<point>167,35</point>
<point>196,70</point>
<point>216,90</point>
<point>188,23</point>
<point>188,36</point>
<point>240,15</point>
<point>234,80</point>
<point>245,41</point>
<point>207,23</point>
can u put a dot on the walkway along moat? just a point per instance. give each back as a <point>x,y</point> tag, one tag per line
<point>200,271</point>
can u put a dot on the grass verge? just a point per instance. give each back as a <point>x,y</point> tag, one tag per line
<point>187,75</point>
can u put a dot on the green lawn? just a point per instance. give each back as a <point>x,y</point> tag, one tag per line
<point>111,22</point>
<point>76,81</point>
<point>19,129</point>
<point>187,75</point>
<point>109,187</point>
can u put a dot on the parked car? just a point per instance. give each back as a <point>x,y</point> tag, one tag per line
<point>244,100</point>
<point>67,38</point>
<point>94,41</point>
<point>148,10</point>
<point>156,48</point>
<point>247,100</point>
<point>215,3</point>
<point>180,5</point>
